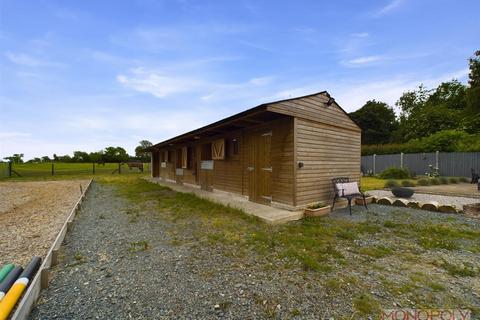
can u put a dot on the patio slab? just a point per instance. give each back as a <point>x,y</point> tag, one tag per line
<point>267,213</point>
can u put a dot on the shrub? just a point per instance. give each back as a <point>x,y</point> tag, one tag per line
<point>423,182</point>
<point>435,181</point>
<point>443,180</point>
<point>453,180</point>
<point>391,184</point>
<point>463,179</point>
<point>395,173</point>
<point>316,205</point>
<point>408,183</point>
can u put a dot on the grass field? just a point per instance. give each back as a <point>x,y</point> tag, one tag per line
<point>66,169</point>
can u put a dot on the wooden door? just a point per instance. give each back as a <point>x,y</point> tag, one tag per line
<point>259,167</point>
<point>155,164</point>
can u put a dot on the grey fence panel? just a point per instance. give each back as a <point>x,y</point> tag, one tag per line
<point>418,163</point>
<point>459,164</point>
<point>452,164</point>
<point>386,161</point>
<point>367,164</point>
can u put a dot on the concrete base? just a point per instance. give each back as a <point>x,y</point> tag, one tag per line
<point>266,213</point>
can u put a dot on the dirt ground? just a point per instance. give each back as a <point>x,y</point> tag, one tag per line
<point>31,215</point>
<point>458,190</point>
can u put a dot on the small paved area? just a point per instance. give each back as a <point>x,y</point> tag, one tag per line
<point>458,202</point>
<point>267,213</point>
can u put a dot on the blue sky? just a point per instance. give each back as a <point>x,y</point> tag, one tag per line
<point>82,75</point>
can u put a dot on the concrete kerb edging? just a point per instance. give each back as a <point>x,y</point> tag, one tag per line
<point>41,279</point>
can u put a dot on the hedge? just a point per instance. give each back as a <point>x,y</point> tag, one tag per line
<point>444,141</point>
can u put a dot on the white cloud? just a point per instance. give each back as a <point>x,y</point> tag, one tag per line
<point>352,94</point>
<point>156,83</point>
<point>364,60</point>
<point>261,81</point>
<point>29,61</point>
<point>392,5</point>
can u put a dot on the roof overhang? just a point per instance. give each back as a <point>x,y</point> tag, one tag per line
<point>249,118</point>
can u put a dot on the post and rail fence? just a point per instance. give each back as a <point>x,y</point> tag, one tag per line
<point>452,164</point>
<point>9,169</point>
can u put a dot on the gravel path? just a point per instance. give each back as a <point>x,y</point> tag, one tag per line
<point>119,262</point>
<point>103,275</point>
<point>459,202</point>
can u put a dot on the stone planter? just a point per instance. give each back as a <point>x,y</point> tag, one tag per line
<point>319,212</point>
<point>400,192</point>
<point>359,201</point>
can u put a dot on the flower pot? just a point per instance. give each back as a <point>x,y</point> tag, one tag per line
<point>359,201</point>
<point>319,212</point>
<point>400,192</point>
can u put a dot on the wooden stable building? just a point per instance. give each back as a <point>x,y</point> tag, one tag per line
<point>280,153</point>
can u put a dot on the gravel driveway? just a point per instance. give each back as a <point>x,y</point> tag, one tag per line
<point>105,273</point>
<point>124,260</point>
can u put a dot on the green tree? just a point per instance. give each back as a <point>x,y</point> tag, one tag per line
<point>377,120</point>
<point>46,159</point>
<point>473,92</point>
<point>115,154</point>
<point>96,156</point>
<point>431,119</point>
<point>16,158</point>
<point>140,151</point>
<point>413,101</point>
<point>81,156</point>
<point>451,95</point>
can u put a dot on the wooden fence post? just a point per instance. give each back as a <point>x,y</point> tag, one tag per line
<point>10,169</point>
<point>374,156</point>
<point>119,168</point>
<point>93,167</point>
<point>436,159</point>
<point>53,168</point>
<point>401,160</point>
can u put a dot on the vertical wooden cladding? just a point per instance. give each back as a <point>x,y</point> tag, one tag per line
<point>184,157</point>
<point>282,160</point>
<point>155,164</point>
<point>227,173</point>
<point>279,136</point>
<point>326,151</point>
